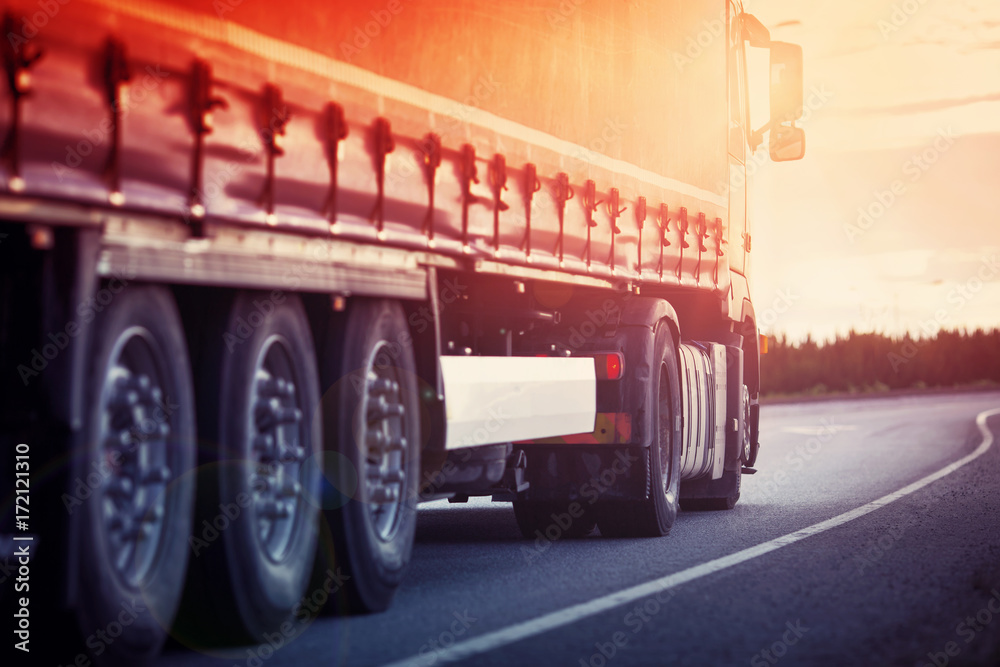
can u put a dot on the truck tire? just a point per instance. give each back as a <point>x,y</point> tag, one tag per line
<point>256,529</point>
<point>372,442</point>
<point>718,494</point>
<point>723,493</point>
<point>534,518</point>
<point>654,516</point>
<point>132,552</point>
<point>754,448</point>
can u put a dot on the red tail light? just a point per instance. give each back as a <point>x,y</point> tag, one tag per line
<point>609,366</point>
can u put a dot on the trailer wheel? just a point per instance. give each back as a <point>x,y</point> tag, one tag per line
<point>654,516</point>
<point>723,493</point>
<point>372,426</point>
<point>550,518</point>
<point>754,447</point>
<point>256,530</point>
<point>135,522</point>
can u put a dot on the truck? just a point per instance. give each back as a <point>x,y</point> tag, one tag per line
<point>272,275</point>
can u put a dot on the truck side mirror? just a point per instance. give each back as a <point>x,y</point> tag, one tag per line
<point>754,31</point>
<point>786,82</point>
<point>787,143</point>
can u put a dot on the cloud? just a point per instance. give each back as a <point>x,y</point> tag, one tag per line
<point>919,107</point>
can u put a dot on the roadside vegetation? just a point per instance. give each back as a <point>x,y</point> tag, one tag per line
<point>876,363</point>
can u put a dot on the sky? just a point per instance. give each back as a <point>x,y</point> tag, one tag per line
<point>891,223</point>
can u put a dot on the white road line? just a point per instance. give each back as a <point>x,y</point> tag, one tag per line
<point>536,626</point>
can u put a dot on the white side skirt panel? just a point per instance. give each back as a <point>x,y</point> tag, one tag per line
<point>503,399</point>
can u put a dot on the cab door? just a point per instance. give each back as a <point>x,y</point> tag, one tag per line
<point>738,224</point>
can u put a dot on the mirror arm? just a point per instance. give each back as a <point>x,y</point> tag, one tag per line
<point>754,31</point>
<point>757,136</point>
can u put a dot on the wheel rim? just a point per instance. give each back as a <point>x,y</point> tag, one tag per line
<point>747,444</point>
<point>134,427</point>
<point>383,442</point>
<point>665,420</point>
<point>278,443</point>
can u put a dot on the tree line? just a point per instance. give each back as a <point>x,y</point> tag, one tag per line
<point>871,362</point>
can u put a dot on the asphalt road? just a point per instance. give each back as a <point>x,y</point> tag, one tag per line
<point>913,579</point>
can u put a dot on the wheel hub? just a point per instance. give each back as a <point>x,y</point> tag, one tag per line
<point>747,439</point>
<point>382,435</point>
<point>277,449</point>
<point>133,448</point>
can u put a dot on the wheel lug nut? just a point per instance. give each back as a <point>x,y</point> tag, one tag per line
<point>288,415</point>
<point>274,509</point>
<point>120,487</point>
<point>384,495</point>
<point>138,532</point>
<point>153,515</point>
<point>140,383</point>
<point>118,440</point>
<point>384,386</point>
<point>124,399</point>
<point>292,455</point>
<point>375,441</point>
<point>159,475</point>
<point>264,443</point>
<point>383,409</point>
<point>393,477</point>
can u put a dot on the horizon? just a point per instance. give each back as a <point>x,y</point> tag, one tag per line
<point>888,224</point>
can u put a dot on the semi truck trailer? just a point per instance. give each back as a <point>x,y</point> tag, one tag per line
<point>271,275</point>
